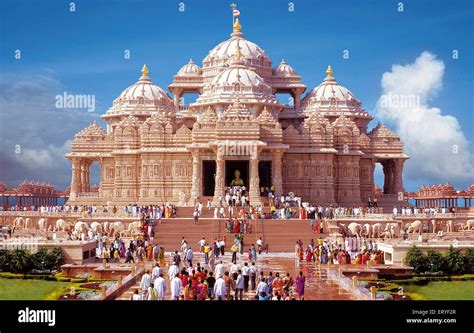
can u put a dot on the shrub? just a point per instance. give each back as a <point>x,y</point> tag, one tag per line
<point>416,259</point>
<point>22,261</point>
<point>436,262</point>
<point>469,261</point>
<point>455,261</point>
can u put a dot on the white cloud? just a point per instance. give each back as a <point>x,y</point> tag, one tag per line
<point>437,147</point>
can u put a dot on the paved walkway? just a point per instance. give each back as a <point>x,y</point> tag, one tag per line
<point>318,287</point>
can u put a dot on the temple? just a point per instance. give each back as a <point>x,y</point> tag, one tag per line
<point>157,149</point>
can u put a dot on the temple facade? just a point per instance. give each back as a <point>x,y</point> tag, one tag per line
<point>157,149</point>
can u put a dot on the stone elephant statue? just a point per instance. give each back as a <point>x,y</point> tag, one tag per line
<point>354,229</point>
<point>393,228</point>
<point>116,228</point>
<point>367,230</point>
<point>469,225</point>
<point>96,227</point>
<point>43,224</point>
<point>134,227</point>
<point>18,223</point>
<point>415,226</point>
<point>62,225</point>
<point>377,230</point>
<point>80,227</point>
<point>29,223</point>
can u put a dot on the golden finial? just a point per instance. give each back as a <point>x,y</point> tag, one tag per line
<point>237,26</point>
<point>329,71</point>
<point>144,70</point>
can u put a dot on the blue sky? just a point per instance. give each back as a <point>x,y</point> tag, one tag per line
<point>82,53</point>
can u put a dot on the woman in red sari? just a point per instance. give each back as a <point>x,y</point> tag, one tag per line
<point>308,254</point>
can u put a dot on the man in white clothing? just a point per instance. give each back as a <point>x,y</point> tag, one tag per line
<point>145,282</point>
<point>175,288</point>
<point>160,287</point>
<point>156,272</point>
<point>220,290</point>
<point>219,270</point>
<point>172,271</point>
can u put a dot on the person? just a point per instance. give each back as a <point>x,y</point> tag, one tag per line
<point>173,270</point>
<point>253,275</point>
<point>160,287</point>
<point>206,250</point>
<point>254,252</point>
<point>220,291</point>
<point>287,284</point>
<point>152,294</point>
<point>161,257</point>
<point>259,245</point>
<point>300,282</point>
<point>234,250</point>
<point>202,243</point>
<point>277,284</point>
<point>229,285</point>
<point>212,260</point>
<point>136,296</point>
<point>246,275</point>
<point>145,282</point>
<point>156,272</point>
<point>175,287</point>
<point>211,281</point>
<point>189,257</point>
<point>219,269</point>
<point>239,286</point>
<point>176,258</point>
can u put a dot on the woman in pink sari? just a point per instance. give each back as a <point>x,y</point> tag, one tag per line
<point>300,282</point>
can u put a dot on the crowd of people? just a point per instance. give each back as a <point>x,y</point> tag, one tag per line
<point>209,280</point>
<point>343,251</point>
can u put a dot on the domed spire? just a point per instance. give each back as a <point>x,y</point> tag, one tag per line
<point>237,26</point>
<point>144,76</point>
<point>237,33</point>
<point>329,72</point>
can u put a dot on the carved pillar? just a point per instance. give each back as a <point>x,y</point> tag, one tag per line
<point>87,165</point>
<point>397,181</point>
<point>254,188</point>
<point>388,177</point>
<point>196,180</point>
<point>75,178</point>
<point>277,176</point>
<point>220,172</point>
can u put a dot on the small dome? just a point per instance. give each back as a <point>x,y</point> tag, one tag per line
<point>141,98</point>
<point>329,90</point>
<point>190,69</point>
<point>283,69</point>
<point>144,88</point>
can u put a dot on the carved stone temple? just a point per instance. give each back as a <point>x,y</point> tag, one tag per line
<point>157,149</point>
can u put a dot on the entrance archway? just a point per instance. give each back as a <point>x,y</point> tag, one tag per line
<point>208,178</point>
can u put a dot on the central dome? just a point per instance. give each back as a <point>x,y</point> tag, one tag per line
<point>237,79</point>
<point>252,55</point>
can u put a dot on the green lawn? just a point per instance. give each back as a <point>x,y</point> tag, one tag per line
<point>443,290</point>
<point>18,289</point>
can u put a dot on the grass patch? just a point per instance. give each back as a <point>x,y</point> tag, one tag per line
<point>20,289</point>
<point>443,290</point>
